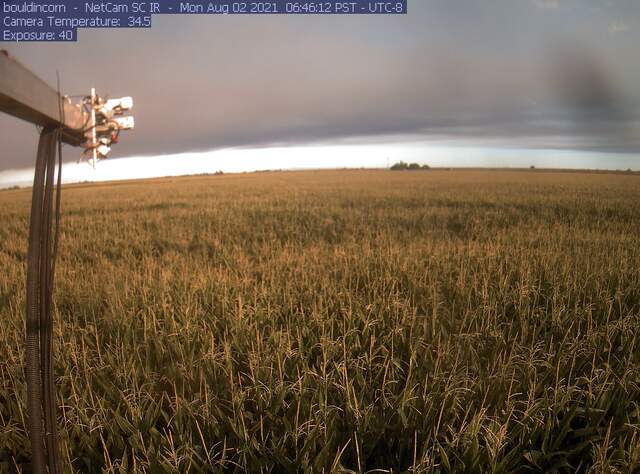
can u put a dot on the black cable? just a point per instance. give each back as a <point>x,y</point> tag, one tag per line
<point>38,324</point>
<point>48,380</point>
<point>41,262</point>
<point>46,320</point>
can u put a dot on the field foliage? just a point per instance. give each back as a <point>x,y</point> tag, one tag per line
<point>352,321</point>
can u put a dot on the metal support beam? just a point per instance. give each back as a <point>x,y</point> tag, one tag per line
<point>26,96</point>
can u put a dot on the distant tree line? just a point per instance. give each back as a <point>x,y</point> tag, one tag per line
<point>402,166</point>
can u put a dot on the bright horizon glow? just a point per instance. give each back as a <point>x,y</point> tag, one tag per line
<point>380,155</point>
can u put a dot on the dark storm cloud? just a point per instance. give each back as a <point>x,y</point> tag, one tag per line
<point>540,73</point>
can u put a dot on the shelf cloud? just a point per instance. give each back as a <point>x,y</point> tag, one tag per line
<point>536,73</point>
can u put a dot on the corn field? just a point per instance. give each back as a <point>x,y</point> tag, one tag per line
<point>337,321</point>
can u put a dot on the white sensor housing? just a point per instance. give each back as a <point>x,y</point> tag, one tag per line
<point>124,123</point>
<point>124,103</point>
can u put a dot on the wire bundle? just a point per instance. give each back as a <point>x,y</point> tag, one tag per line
<point>43,243</point>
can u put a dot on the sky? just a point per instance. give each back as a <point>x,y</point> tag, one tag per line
<point>452,83</point>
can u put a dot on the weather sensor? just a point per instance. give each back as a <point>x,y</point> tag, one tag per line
<point>107,119</point>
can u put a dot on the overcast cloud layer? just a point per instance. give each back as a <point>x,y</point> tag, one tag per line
<point>526,73</point>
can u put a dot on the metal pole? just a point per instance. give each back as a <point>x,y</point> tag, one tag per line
<point>94,151</point>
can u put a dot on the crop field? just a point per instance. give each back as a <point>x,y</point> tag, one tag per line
<point>337,321</point>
